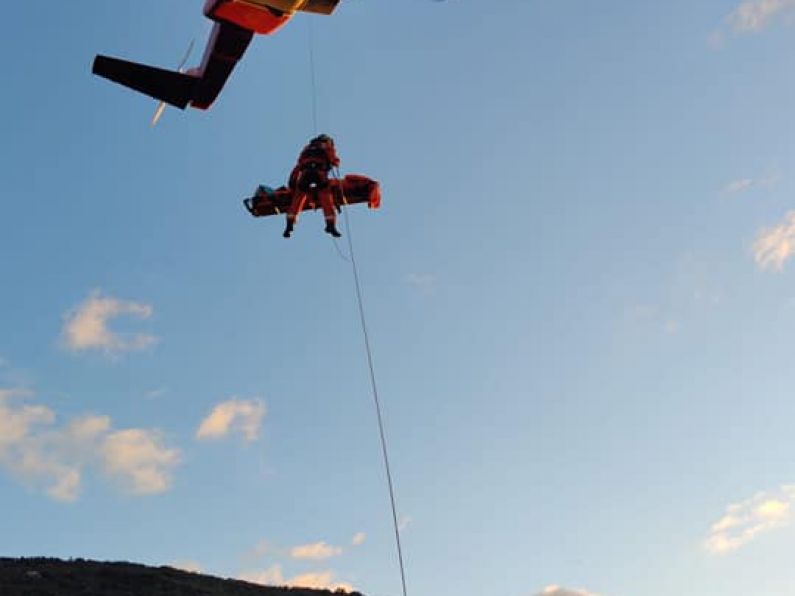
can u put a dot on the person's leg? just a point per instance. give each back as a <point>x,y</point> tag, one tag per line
<point>327,202</point>
<point>292,214</point>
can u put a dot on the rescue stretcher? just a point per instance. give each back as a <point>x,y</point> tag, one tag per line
<point>352,189</point>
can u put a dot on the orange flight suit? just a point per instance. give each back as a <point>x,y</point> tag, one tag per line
<point>310,178</point>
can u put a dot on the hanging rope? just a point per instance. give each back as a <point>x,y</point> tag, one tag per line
<point>311,30</point>
<point>374,387</point>
<point>351,258</point>
<point>313,80</point>
<point>340,254</point>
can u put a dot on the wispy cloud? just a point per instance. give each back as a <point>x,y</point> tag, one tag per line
<point>358,539</point>
<point>273,576</point>
<point>741,185</point>
<point>555,590</point>
<point>736,186</point>
<point>243,416</point>
<point>303,554</point>
<point>316,551</point>
<point>752,16</point>
<point>774,246</point>
<point>86,327</point>
<point>743,522</point>
<point>43,455</point>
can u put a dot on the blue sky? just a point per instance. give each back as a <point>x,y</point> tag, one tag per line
<point>579,289</point>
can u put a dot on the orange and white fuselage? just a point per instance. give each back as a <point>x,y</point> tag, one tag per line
<point>251,15</point>
<point>236,23</point>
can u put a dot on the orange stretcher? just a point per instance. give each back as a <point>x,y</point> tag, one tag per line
<point>350,190</point>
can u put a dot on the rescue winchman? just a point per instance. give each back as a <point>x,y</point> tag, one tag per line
<point>310,179</point>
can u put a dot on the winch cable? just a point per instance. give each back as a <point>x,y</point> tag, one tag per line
<point>363,320</point>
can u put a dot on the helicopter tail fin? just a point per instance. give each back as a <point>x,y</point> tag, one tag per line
<point>172,87</point>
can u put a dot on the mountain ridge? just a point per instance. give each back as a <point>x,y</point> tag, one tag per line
<point>43,576</point>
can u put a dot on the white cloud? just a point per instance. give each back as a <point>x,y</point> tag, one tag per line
<point>322,580</point>
<point>139,460</point>
<point>743,522</point>
<point>88,428</point>
<point>43,455</point>
<point>358,538</point>
<point>745,184</point>
<point>740,185</point>
<point>273,576</point>
<point>774,246</point>
<point>752,16</point>
<point>17,422</point>
<point>555,590</point>
<point>29,450</point>
<point>36,465</point>
<point>86,326</point>
<point>244,416</point>
<point>66,486</point>
<point>316,551</point>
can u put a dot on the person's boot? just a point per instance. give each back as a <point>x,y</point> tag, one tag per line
<point>331,228</point>
<point>289,229</point>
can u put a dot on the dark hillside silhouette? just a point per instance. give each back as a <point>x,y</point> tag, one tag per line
<point>78,577</point>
